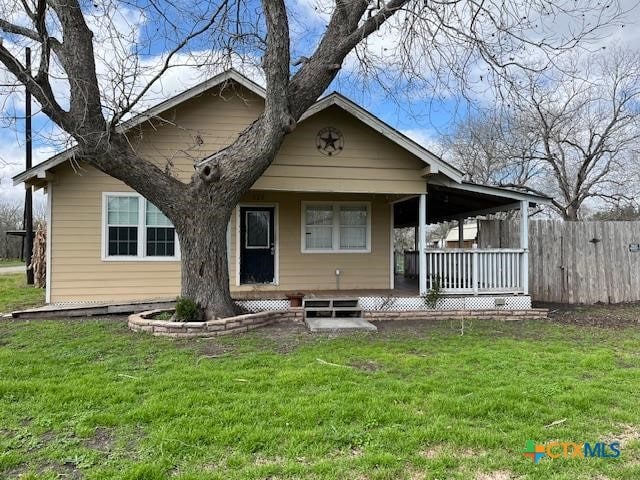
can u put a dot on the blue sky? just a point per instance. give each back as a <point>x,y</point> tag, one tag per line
<point>413,110</point>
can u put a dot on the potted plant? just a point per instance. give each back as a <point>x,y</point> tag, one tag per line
<point>295,299</point>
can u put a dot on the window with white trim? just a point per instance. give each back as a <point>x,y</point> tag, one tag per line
<point>161,235</point>
<point>122,226</point>
<point>136,229</point>
<point>336,227</point>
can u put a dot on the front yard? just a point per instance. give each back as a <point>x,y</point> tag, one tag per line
<point>89,399</point>
<point>15,294</point>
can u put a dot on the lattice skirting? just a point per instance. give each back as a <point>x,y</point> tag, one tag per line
<point>398,304</point>
<point>263,305</point>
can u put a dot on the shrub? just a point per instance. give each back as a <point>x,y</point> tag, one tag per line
<point>433,296</point>
<point>187,310</point>
<point>163,316</point>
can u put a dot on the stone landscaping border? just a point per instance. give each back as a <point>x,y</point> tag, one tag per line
<point>379,315</point>
<point>144,322</point>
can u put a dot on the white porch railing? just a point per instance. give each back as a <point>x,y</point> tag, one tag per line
<point>462,270</point>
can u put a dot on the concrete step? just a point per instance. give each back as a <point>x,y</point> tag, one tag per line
<point>337,325</point>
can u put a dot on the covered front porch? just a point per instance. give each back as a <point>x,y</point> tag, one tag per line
<point>458,270</point>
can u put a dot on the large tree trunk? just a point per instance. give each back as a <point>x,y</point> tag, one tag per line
<point>203,248</point>
<point>570,213</point>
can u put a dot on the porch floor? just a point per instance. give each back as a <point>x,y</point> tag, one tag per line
<point>404,287</point>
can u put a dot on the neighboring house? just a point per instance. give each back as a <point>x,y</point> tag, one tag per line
<point>469,236</point>
<point>320,218</point>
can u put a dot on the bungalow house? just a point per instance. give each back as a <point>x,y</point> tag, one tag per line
<point>320,219</point>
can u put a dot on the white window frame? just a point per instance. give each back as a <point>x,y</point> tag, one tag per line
<point>336,227</point>
<point>142,233</point>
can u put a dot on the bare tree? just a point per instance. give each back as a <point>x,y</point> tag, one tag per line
<point>589,127</point>
<point>10,219</point>
<point>618,213</point>
<point>455,34</point>
<point>572,133</point>
<point>494,148</point>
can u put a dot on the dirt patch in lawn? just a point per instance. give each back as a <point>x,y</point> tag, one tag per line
<point>497,475</point>
<point>628,434</point>
<point>67,470</point>
<point>101,440</point>
<point>210,348</point>
<point>599,315</point>
<point>281,338</point>
<point>284,338</point>
<point>366,365</point>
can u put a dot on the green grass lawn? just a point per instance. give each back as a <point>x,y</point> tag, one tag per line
<point>16,294</point>
<point>10,262</point>
<point>89,399</point>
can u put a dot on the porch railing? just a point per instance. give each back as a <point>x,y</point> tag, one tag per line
<point>462,270</point>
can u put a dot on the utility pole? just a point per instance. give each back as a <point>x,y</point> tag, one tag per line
<point>28,200</point>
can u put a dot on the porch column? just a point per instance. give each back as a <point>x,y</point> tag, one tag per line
<point>422,244</point>
<point>524,245</point>
<point>461,233</point>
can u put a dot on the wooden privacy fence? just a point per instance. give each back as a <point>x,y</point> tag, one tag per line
<point>574,262</point>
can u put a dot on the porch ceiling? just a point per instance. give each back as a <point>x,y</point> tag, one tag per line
<point>447,202</point>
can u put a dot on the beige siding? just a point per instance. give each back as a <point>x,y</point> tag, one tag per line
<point>79,274</point>
<point>369,163</point>
<point>310,271</point>
<point>77,271</point>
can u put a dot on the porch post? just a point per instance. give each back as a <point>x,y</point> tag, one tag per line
<point>461,233</point>
<point>524,245</point>
<point>422,244</point>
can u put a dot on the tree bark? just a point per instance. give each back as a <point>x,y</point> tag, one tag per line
<point>571,213</point>
<point>203,247</point>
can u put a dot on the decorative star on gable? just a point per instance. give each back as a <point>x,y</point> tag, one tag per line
<point>330,141</point>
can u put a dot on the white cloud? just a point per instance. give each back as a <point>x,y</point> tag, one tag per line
<point>428,138</point>
<point>12,158</point>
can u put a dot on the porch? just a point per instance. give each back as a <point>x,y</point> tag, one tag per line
<point>458,270</point>
<point>328,245</point>
<point>403,287</point>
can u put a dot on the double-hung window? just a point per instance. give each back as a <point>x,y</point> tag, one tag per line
<point>122,226</point>
<point>135,229</point>
<point>161,236</point>
<point>336,227</point>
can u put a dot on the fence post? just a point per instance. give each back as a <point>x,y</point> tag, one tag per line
<point>474,268</point>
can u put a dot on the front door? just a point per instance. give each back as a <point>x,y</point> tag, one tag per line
<point>257,244</point>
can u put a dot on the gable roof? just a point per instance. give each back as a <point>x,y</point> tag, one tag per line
<point>220,79</point>
<point>436,164</point>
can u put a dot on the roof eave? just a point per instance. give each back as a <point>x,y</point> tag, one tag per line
<point>504,192</point>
